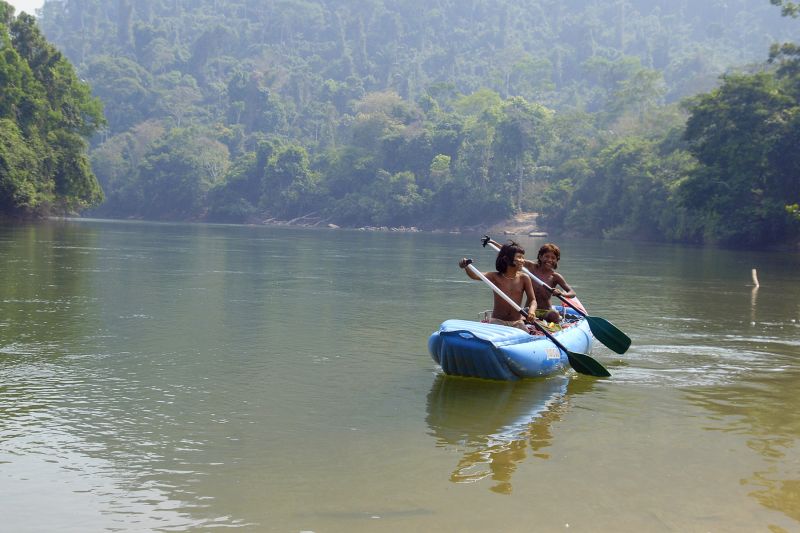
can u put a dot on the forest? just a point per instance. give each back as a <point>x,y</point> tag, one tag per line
<point>47,116</point>
<point>663,120</point>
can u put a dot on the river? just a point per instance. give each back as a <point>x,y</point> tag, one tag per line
<point>169,377</point>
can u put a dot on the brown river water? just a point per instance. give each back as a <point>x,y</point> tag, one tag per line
<point>162,377</point>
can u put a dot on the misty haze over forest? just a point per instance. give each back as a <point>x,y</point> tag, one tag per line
<point>440,114</point>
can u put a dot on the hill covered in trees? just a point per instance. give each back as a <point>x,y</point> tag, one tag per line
<point>444,113</point>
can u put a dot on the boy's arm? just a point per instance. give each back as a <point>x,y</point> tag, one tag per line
<point>463,264</point>
<point>530,297</point>
<point>567,291</point>
<point>487,240</point>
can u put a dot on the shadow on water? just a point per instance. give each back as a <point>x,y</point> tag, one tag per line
<point>496,425</point>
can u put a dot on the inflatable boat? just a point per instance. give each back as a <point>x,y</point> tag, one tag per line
<point>482,350</point>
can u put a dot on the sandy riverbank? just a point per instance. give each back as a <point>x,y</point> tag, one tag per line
<point>520,224</point>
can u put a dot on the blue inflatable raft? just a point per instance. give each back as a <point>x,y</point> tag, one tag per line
<point>482,350</point>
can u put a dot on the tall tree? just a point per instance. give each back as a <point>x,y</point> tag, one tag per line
<point>522,131</point>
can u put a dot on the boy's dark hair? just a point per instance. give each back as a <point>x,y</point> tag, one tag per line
<point>549,247</point>
<point>505,257</point>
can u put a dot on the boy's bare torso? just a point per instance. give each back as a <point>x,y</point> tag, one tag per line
<point>514,288</point>
<point>548,276</point>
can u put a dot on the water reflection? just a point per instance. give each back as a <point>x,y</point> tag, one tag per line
<point>44,300</point>
<point>86,423</point>
<point>765,411</point>
<point>494,424</point>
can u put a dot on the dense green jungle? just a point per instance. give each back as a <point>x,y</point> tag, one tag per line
<point>661,120</point>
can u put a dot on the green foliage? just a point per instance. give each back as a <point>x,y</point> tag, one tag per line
<point>20,189</point>
<point>434,115</point>
<point>125,83</point>
<point>744,136</point>
<point>290,188</point>
<point>46,117</point>
<point>624,194</point>
<point>236,198</point>
<point>391,199</point>
<point>788,9</point>
<point>522,131</point>
<point>178,171</point>
<point>75,186</point>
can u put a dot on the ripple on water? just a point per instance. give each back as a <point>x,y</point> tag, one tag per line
<point>74,433</point>
<point>687,351</point>
<point>694,364</point>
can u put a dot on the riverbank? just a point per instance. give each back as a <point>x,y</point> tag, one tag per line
<point>520,224</point>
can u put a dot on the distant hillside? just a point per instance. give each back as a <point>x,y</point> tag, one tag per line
<point>444,113</point>
<point>190,58</point>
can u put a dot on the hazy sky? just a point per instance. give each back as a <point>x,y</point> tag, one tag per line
<point>28,6</point>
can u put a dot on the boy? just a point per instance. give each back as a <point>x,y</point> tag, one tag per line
<point>511,281</point>
<point>545,269</point>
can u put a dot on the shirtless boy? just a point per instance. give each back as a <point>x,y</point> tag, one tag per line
<point>545,269</point>
<point>511,281</point>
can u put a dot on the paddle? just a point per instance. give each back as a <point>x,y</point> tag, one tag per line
<point>606,332</point>
<point>581,362</point>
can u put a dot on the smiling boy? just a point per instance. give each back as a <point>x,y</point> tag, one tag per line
<point>511,281</point>
<point>545,269</point>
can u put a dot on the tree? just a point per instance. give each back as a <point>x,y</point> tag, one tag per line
<point>342,80</point>
<point>787,55</point>
<point>290,188</point>
<point>522,132</point>
<point>788,9</point>
<point>739,133</point>
<point>127,84</point>
<point>177,173</point>
<point>45,110</point>
<point>20,189</point>
<point>622,196</point>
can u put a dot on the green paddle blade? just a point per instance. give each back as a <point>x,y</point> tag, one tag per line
<point>609,334</point>
<point>583,364</point>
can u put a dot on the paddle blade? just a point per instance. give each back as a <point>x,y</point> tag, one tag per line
<point>609,334</point>
<point>575,304</point>
<point>583,364</point>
